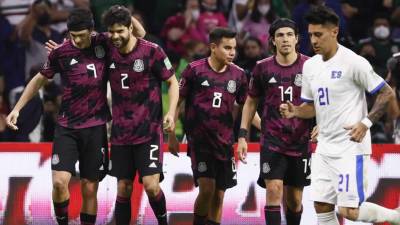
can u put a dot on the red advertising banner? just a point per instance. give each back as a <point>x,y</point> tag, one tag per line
<point>25,189</point>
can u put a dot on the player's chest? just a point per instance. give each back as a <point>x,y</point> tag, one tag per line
<point>129,75</point>
<point>224,84</point>
<point>80,68</point>
<point>331,84</point>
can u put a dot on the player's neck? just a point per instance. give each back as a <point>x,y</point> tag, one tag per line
<point>286,60</point>
<point>130,46</point>
<point>215,65</point>
<point>329,54</point>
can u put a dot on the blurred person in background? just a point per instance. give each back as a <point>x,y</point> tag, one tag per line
<point>210,17</point>
<point>258,21</point>
<point>379,46</point>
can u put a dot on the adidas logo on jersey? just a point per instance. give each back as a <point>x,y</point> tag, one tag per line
<point>205,83</point>
<point>153,165</point>
<point>73,61</point>
<point>101,168</point>
<point>272,80</point>
<point>112,66</point>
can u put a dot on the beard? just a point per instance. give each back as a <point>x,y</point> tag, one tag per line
<point>120,42</point>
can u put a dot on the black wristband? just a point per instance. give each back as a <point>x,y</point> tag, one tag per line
<point>242,133</point>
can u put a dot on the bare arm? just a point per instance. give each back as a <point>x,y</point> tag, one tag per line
<point>385,95</point>
<point>30,90</point>
<point>173,96</point>
<point>256,121</point>
<point>138,29</point>
<point>303,111</point>
<point>249,110</point>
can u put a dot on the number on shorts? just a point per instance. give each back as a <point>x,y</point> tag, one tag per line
<point>343,180</point>
<point>152,150</point>
<point>307,163</point>
<point>233,165</point>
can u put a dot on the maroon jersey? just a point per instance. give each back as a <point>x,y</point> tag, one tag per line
<point>209,101</point>
<point>83,76</point>
<point>136,92</point>
<point>274,84</point>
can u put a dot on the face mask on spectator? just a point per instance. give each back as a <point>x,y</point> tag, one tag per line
<point>381,32</point>
<point>263,9</point>
<point>195,14</point>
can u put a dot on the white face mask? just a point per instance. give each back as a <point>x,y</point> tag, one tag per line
<point>381,32</point>
<point>195,14</point>
<point>263,9</point>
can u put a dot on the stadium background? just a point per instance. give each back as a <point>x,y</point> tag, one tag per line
<point>180,27</point>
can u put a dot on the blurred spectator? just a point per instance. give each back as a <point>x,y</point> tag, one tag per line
<point>239,10</point>
<point>157,13</point>
<point>98,7</point>
<point>12,57</point>
<point>379,47</point>
<point>35,31</point>
<point>257,23</point>
<point>149,36</point>
<point>60,11</point>
<point>210,17</point>
<point>302,8</point>
<point>3,108</point>
<point>358,14</point>
<point>392,125</point>
<point>29,116</point>
<point>182,27</point>
<point>252,52</point>
<point>194,50</point>
<point>14,10</point>
<point>51,106</point>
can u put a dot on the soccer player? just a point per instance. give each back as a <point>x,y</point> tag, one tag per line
<point>81,131</point>
<point>136,69</point>
<point>210,88</point>
<point>333,88</point>
<point>285,152</point>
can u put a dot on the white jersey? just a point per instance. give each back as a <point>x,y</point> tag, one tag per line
<point>337,88</point>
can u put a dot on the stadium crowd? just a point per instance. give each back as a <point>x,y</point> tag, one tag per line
<point>369,27</point>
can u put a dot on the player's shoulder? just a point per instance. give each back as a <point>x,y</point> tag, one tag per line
<point>62,48</point>
<point>236,68</point>
<point>303,57</point>
<point>147,43</point>
<point>349,56</point>
<point>265,61</point>
<point>197,64</point>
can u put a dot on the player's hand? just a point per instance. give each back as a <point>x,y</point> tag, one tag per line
<point>357,131</point>
<point>287,110</point>
<point>50,46</point>
<point>173,144</point>
<point>168,123</point>
<point>242,150</point>
<point>314,134</point>
<point>11,120</point>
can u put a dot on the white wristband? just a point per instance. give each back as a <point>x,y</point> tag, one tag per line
<point>367,122</point>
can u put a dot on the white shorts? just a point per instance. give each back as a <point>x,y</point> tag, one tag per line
<point>340,181</point>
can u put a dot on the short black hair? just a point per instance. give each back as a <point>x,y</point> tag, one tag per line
<point>322,15</point>
<point>218,33</point>
<point>117,14</point>
<point>80,19</point>
<point>282,22</point>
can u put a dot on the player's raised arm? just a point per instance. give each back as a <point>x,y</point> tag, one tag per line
<point>138,29</point>
<point>30,90</point>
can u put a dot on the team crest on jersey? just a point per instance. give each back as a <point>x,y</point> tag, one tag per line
<point>99,51</point>
<point>202,167</point>
<point>55,159</point>
<point>231,86</point>
<point>138,65</point>
<point>297,79</point>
